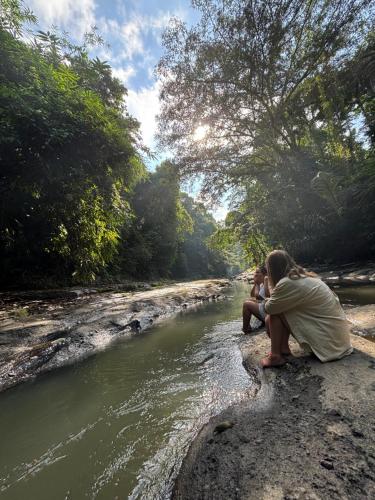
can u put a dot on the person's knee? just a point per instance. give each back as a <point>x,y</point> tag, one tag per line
<point>275,320</point>
<point>276,323</point>
<point>248,305</point>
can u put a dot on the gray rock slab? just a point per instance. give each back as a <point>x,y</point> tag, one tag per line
<point>307,434</point>
<point>34,340</point>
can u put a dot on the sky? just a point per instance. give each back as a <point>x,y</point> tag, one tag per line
<point>133,31</point>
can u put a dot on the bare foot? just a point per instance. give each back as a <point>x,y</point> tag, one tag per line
<point>272,360</point>
<point>284,353</point>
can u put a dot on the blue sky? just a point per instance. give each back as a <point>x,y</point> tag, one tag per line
<point>133,30</point>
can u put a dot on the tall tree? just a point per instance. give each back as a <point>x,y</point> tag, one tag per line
<point>259,79</point>
<point>150,242</point>
<point>69,155</point>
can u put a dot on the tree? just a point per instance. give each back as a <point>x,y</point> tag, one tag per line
<point>69,157</point>
<point>150,243</point>
<point>196,257</point>
<point>269,81</point>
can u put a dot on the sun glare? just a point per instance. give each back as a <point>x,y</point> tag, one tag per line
<point>200,132</point>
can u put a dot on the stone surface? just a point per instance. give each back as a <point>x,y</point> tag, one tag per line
<point>363,319</point>
<point>351,274</point>
<point>308,434</point>
<point>38,335</point>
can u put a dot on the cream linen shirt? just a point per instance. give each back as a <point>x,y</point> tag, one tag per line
<point>314,314</point>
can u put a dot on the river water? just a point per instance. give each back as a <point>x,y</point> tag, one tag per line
<point>118,424</point>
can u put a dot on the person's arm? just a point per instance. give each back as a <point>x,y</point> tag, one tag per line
<point>285,296</point>
<point>266,287</point>
<point>254,291</point>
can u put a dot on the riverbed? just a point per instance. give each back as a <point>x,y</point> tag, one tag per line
<point>118,424</point>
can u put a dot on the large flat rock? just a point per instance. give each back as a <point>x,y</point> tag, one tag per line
<point>307,434</point>
<point>363,319</point>
<point>39,336</point>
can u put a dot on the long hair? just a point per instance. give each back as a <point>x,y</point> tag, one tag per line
<point>280,264</point>
<point>262,268</point>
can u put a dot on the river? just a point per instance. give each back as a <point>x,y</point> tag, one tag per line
<point>118,424</point>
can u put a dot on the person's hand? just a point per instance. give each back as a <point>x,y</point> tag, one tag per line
<point>258,278</point>
<point>266,282</point>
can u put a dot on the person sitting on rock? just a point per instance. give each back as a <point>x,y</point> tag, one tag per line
<point>304,306</point>
<point>258,293</point>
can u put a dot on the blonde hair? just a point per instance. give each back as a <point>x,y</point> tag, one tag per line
<point>280,264</point>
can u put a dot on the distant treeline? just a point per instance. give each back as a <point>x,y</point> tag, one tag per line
<point>76,200</point>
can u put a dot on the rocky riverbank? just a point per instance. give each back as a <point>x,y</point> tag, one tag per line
<point>351,274</point>
<point>39,332</point>
<point>308,434</point>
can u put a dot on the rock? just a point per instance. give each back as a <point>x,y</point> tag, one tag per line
<point>334,404</point>
<point>134,325</point>
<point>326,464</point>
<point>207,358</point>
<point>357,433</point>
<point>223,426</point>
<point>111,313</point>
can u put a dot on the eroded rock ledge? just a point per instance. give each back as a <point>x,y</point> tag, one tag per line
<point>308,434</point>
<point>37,339</point>
<point>348,275</point>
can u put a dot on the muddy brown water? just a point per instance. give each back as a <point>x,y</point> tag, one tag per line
<point>118,424</point>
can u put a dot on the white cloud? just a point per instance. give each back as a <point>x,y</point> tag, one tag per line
<point>133,32</point>
<point>74,16</point>
<point>124,74</point>
<point>144,104</point>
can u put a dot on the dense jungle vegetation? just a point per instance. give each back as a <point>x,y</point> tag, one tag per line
<point>76,199</point>
<point>283,91</point>
<point>282,95</point>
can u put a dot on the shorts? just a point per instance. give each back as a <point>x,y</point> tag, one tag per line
<point>262,311</point>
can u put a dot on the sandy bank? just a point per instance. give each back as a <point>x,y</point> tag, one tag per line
<point>38,335</point>
<point>308,434</point>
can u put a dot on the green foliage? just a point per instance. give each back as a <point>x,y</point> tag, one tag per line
<point>282,88</point>
<point>75,198</point>
<point>149,244</point>
<point>169,234</point>
<point>196,257</point>
<point>240,231</point>
<point>68,159</point>
<point>13,15</point>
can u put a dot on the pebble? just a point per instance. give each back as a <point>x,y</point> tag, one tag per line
<point>223,426</point>
<point>357,433</point>
<point>326,464</point>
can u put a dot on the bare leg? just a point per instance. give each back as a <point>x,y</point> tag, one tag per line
<point>249,308</point>
<point>285,349</point>
<point>268,328</point>
<point>279,333</point>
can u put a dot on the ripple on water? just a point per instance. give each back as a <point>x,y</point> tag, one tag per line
<point>119,423</point>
